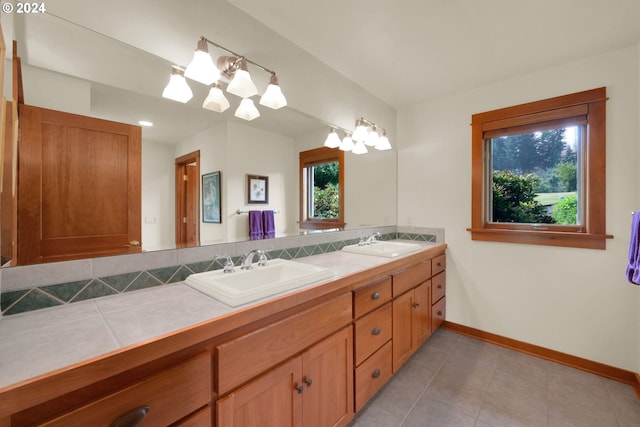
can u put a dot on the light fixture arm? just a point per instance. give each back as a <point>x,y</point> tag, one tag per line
<point>238,56</point>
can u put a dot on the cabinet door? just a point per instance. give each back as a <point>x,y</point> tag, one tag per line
<point>422,313</point>
<point>402,329</point>
<point>327,371</point>
<point>272,400</point>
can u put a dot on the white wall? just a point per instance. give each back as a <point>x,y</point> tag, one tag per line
<point>575,301</point>
<point>158,204</point>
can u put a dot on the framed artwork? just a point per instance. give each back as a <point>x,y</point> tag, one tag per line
<point>211,198</point>
<point>257,189</point>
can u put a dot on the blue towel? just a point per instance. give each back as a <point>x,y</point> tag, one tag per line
<point>633,269</point>
<point>268,224</point>
<point>255,225</point>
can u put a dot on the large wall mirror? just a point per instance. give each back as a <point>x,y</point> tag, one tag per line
<point>75,69</point>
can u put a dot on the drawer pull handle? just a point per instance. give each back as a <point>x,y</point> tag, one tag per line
<point>375,373</point>
<point>131,418</point>
<point>299,389</point>
<point>308,381</point>
<point>376,331</point>
<point>375,295</point>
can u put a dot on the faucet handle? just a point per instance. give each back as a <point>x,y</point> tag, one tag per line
<point>229,267</point>
<point>262,258</point>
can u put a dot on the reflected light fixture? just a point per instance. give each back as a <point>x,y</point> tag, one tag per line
<point>361,131</point>
<point>347,143</point>
<point>202,68</point>
<point>177,89</point>
<point>333,140</point>
<point>273,97</point>
<point>230,68</point>
<point>241,84</point>
<point>373,136</point>
<point>383,142</point>
<point>215,101</point>
<point>247,110</point>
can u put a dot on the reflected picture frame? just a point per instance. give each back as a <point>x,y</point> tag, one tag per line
<point>257,189</point>
<point>211,198</point>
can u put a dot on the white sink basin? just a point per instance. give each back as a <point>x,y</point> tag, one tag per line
<point>384,249</point>
<point>243,286</point>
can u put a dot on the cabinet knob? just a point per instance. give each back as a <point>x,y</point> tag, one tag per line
<point>375,295</point>
<point>439,264</point>
<point>416,305</point>
<point>132,418</point>
<point>308,381</point>
<point>439,312</point>
<point>376,331</point>
<point>299,388</point>
<point>375,373</point>
<point>439,285</point>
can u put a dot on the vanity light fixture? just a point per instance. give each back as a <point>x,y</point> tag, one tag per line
<point>333,140</point>
<point>347,143</point>
<point>202,68</point>
<point>232,70</point>
<point>371,135</point>
<point>177,88</point>
<point>247,110</point>
<point>273,97</point>
<point>216,101</point>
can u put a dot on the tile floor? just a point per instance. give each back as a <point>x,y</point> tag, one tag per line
<point>459,381</point>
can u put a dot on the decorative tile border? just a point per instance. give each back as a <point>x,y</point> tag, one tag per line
<point>24,300</point>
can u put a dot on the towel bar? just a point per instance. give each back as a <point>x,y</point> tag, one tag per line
<point>238,211</point>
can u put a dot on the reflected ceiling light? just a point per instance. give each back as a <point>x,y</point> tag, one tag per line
<point>360,148</point>
<point>383,142</point>
<point>372,137</point>
<point>273,97</point>
<point>232,68</point>
<point>145,123</point>
<point>216,101</point>
<point>241,84</point>
<point>247,110</point>
<point>347,143</point>
<point>361,131</point>
<point>333,140</point>
<point>177,89</point>
<point>375,136</point>
<point>202,68</point>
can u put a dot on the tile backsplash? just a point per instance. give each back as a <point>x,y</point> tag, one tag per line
<point>45,285</point>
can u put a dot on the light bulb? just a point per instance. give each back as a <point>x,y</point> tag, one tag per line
<point>177,89</point>
<point>241,84</point>
<point>372,137</point>
<point>201,68</point>
<point>216,101</point>
<point>247,110</point>
<point>273,97</point>
<point>383,142</point>
<point>360,148</point>
<point>333,140</point>
<point>347,143</point>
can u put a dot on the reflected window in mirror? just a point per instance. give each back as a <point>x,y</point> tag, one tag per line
<point>322,189</point>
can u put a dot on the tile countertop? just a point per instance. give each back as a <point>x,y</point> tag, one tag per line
<point>41,341</point>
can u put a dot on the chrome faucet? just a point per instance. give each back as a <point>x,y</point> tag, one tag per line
<point>229,267</point>
<point>247,259</point>
<point>373,238</point>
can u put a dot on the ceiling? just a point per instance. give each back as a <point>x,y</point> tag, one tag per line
<point>406,51</point>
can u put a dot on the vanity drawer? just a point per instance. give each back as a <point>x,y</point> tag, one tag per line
<point>170,395</point>
<point>371,296</point>
<point>438,314</point>
<point>243,358</point>
<point>372,331</point>
<point>411,277</point>
<point>439,263</point>
<point>438,287</point>
<point>372,375</point>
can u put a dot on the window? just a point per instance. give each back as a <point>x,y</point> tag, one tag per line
<point>538,172</point>
<point>322,189</point>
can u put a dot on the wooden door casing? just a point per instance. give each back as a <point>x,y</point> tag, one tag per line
<point>79,186</point>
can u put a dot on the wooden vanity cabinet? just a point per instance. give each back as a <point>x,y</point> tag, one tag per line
<point>297,376</point>
<point>411,322</point>
<point>177,396</point>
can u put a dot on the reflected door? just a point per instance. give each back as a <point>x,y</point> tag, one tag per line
<point>79,181</point>
<point>187,197</point>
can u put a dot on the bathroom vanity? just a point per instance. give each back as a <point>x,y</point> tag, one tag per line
<point>310,357</point>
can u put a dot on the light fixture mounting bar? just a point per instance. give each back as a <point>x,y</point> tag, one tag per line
<point>237,55</point>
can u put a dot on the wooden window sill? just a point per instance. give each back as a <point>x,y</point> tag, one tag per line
<point>536,237</point>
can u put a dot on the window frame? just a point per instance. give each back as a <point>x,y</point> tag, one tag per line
<point>311,158</point>
<point>592,105</point>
